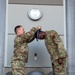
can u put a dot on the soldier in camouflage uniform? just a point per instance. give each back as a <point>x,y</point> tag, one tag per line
<point>20,55</point>
<point>56,49</point>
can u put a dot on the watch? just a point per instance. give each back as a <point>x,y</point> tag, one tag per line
<point>35,14</point>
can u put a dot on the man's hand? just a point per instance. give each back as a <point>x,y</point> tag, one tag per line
<point>39,27</point>
<point>60,60</point>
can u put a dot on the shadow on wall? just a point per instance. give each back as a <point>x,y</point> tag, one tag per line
<point>39,73</point>
<point>51,73</point>
<point>35,73</point>
<point>32,73</point>
<point>9,73</point>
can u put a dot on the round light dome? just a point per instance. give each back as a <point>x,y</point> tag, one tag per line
<point>35,14</point>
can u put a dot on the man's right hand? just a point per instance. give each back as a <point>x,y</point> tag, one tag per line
<point>39,27</point>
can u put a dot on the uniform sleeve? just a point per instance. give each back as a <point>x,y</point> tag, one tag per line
<point>30,34</point>
<point>17,42</point>
<point>58,41</point>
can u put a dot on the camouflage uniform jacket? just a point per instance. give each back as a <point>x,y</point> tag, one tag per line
<point>54,45</point>
<point>21,45</point>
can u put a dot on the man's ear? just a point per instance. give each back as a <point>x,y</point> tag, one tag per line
<point>18,32</point>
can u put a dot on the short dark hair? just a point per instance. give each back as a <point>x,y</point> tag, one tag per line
<point>15,29</point>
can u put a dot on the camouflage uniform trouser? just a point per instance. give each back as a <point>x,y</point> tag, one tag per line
<point>59,69</point>
<point>18,67</point>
